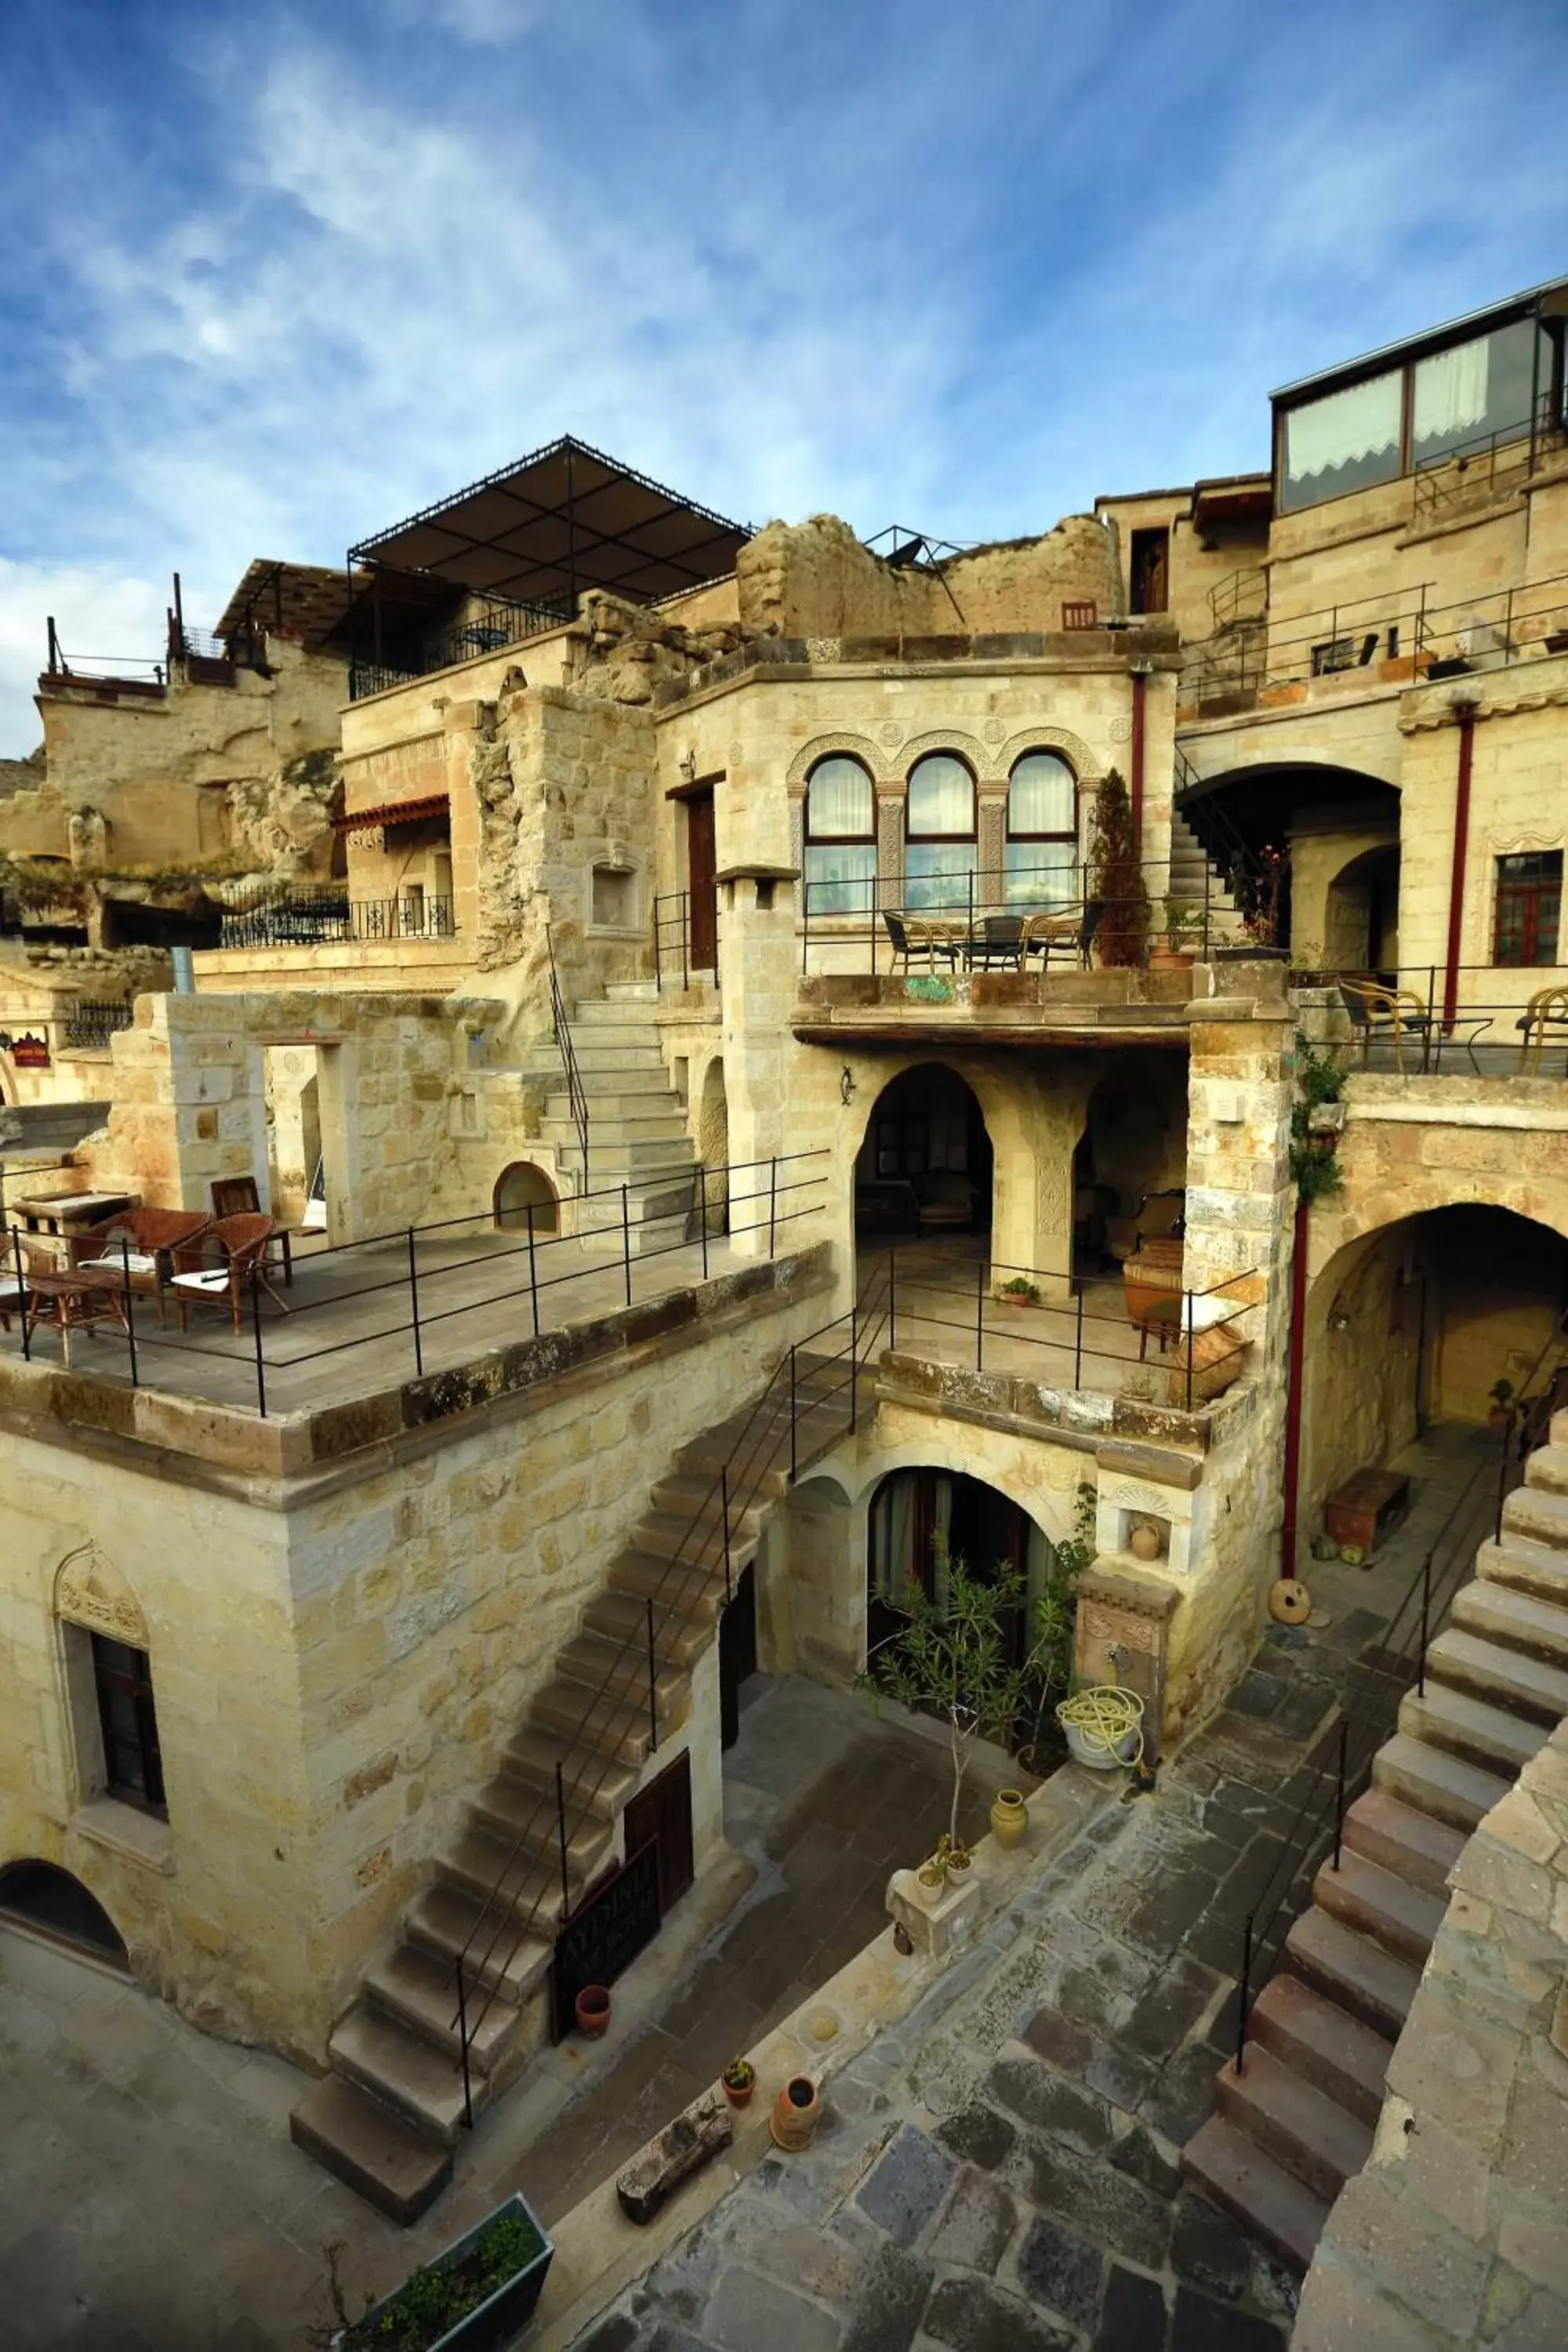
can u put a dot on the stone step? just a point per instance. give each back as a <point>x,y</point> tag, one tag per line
<point>638,1015</point>
<point>645,1575</point>
<point>521,1890</point>
<point>618,1670</point>
<point>608,1077</point>
<point>1324,2044</point>
<point>1293,2122</point>
<point>677,1534</point>
<point>590,1782</point>
<point>1487,1735</point>
<point>1525,1567</point>
<point>383,2158</point>
<point>1397,1838</point>
<point>1547,1467</point>
<point>632,992</point>
<point>1500,1613</point>
<point>1434,1781</point>
<point>1399,1916</point>
<point>1270,2203</point>
<point>611,1121</point>
<point>621,1729</point>
<point>677,1640</point>
<point>1538,1513</point>
<point>1349,1970</point>
<point>421,1991</point>
<point>525,1817</point>
<point>615,1156</point>
<point>1504,1677</point>
<point>403,2070</point>
<point>448,1920</point>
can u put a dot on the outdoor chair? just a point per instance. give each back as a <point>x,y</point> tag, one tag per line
<point>1394,1013</point>
<point>946,1197</point>
<point>915,935</point>
<point>148,1247</point>
<point>997,942</point>
<point>240,1246</point>
<point>238,1196</point>
<point>1543,1021</point>
<point>1066,928</point>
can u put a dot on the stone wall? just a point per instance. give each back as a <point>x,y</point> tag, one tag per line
<point>1452,2233</point>
<point>815,580</point>
<point>1419,1143</point>
<point>338,1656</point>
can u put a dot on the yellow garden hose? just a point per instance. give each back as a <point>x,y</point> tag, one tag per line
<point>1103,1717</point>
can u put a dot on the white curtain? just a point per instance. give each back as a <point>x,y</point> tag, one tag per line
<point>1344,428</point>
<point>942,796</point>
<point>895,1538</point>
<point>1451,391</point>
<point>840,800</point>
<point>1042,795</point>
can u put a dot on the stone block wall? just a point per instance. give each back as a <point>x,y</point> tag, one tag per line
<point>1452,2234</point>
<point>817,580</point>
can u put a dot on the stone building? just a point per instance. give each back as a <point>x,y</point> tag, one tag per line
<point>728,949</point>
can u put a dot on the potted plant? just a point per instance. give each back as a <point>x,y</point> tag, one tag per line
<point>740,2080</point>
<point>475,2297</point>
<point>1019,1292</point>
<point>1500,1412</point>
<point>949,1659</point>
<point>592,2008</point>
<point>1183,927</point>
<point>1117,887</point>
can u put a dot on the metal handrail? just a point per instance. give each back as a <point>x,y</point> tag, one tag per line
<point>757,1452</point>
<point>1362,1726</point>
<point>576,1094</point>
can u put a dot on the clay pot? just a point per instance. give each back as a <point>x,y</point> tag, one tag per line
<point>795,2113</point>
<point>1164,958</point>
<point>959,1864</point>
<point>1009,1819</point>
<point>1143,1543</point>
<point>739,2095</point>
<point>593,2010</point>
<point>1290,1603</point>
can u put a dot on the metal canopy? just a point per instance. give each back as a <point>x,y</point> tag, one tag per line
<point>304,601</point>
<point>560,521</point>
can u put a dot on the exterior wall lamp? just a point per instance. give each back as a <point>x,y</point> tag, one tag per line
<point>846,1086</point>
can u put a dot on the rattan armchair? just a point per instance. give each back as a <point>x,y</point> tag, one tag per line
<point>239,1247</point>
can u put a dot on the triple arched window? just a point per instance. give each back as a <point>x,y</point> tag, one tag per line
<point>942,848</point>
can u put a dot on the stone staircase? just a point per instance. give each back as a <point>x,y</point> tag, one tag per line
<point>386,2117</point>
<point>638,1133</point>
<point>1293,2126</point>
<point>1193,872</point>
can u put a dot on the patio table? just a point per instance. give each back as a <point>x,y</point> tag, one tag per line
<point>75,1300</point>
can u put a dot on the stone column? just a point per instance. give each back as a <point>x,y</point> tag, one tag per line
<point>757,972</point>
<point>890,844</point>
<point>991,891</point>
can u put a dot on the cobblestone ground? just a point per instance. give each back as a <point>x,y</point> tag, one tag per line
<point>1000,2172</point>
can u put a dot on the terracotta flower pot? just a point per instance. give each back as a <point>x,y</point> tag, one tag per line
<point>1145,1542</point>
<point>739,2094</point>
<point>795,2113</point>
<point>593,2010</point>
<point>1009,1818</point>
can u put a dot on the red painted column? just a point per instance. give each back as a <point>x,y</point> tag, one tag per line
<point>1293,1392</point>
<point>1466,712</point>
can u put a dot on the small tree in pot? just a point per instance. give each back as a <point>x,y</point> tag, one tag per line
<point>1116,877</point>
<point>949,1659</point>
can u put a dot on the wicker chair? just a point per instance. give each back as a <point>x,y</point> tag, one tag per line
<point>240,1246</point>
<point>150,1247</point>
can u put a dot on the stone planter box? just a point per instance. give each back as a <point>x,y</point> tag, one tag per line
<point>494,2324</point>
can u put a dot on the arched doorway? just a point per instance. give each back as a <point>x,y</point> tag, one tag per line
<point>523,1187</point>
<point>42,1896</point>
<point>919,1517</point>
<point>1414,1325</point>
<point>1361,914</point>
<point>1318,812</point>
<point>924,1165</point>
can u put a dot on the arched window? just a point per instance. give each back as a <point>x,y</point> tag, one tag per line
<point>840,839</point>
<point>1042,833</point>
<point>939,855</point>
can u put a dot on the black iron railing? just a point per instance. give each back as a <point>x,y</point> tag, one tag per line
<point>765,1196</point>
<point>292,916</point>
<point>1404,1017</point>
<point>88,1025</point>
<point>576,1093</point>
<point>811,1400</point>
<point>1378,1683</point>
<point>488,630</point>
<point>672,944</point>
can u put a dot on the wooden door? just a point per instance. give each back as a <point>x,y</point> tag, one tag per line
<point>701,865</point>
<point>662,1814</point>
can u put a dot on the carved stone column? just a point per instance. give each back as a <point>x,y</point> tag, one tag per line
<point>891,846</point>
<point>991,890</point>
<point>797,836</point>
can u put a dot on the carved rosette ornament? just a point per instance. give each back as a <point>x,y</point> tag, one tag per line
<point>1120,730</point>
<point>90,1591</point>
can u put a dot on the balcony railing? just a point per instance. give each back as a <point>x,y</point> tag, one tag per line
<point>88,1025</point>
<point>308,919</point>
<point>496,625</point>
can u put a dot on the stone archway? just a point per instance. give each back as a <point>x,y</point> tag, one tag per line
<point>519,1189</point>
<point>713,1146</point>
<point>1360,912</point>
<point>1412,1323</point>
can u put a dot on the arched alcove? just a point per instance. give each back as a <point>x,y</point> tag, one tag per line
<point>925,1161</point>
<point>922,1514</point>
<point>1361,913</point>
<point>713,1146</point>
<point>1130,1170</point>
<point>523,1187</point>
<point>43,1896</point>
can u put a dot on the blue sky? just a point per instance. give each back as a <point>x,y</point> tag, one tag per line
<point>274,276</point>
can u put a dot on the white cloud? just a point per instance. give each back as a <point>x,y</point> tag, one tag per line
<point>97,613</point>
